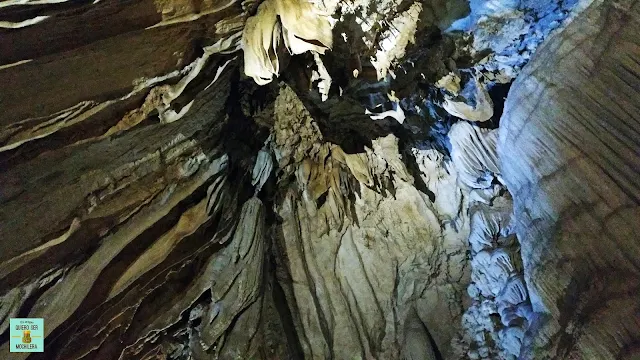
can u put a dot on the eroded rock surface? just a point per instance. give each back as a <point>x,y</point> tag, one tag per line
<point>569,150</point>
<point>286,179</point>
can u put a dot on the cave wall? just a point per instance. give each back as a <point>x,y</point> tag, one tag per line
<point>128,216</point>
<point>369,201</point>
<point>569,152</point>
<point>363,252</point>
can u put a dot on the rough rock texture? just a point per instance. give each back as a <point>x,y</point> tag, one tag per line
<point>500,312</point>
<point>127,216</point>
<point>569,150</point>
<point>365,251</point>
<point>286,179</point>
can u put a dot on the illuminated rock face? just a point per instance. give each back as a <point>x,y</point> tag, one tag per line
<point>283,179</point>
<point>570,154</point>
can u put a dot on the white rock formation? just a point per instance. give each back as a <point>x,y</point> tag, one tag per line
<point>473,151</point>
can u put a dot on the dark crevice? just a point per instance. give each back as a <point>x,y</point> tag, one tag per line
<point>434,346</point>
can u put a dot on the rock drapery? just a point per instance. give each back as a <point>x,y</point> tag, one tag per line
<point>286,179</point>
<point>569,151</point>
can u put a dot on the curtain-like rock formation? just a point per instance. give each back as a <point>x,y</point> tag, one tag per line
<point>287,179</point>
<point>127,214</point>
<point>363,251</point>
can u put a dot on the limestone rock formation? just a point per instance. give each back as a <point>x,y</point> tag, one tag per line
<point>331,179</point>
<point>570,155</point>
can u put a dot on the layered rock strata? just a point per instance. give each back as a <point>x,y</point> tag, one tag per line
<point>286,179</point>
<point>569,145</point>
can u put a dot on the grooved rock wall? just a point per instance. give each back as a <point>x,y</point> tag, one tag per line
<point>570,155</point>
<point>373,267</point>
<point>127,217</point>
